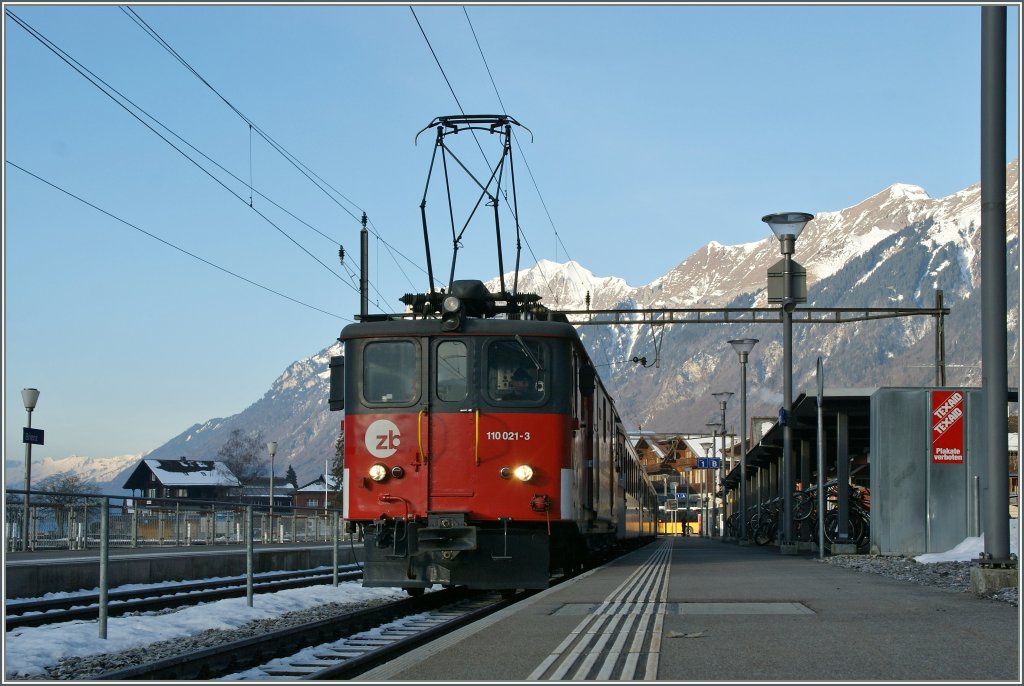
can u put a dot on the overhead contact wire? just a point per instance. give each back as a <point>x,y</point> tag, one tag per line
<point>93,78</point>
<point>172,245</point>
<point>295,161</point>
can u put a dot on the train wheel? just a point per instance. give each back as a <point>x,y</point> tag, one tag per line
<point>415,592</point>
<point>508,592</point>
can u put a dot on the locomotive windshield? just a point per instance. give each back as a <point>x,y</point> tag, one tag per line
<point>517,370</point>
<point>452,383</point>
<point>391,372</point>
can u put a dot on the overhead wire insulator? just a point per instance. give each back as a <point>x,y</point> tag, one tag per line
<point>588,300</point>
<point>341,254</point>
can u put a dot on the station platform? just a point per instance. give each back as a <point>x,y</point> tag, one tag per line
<point>690,609</point>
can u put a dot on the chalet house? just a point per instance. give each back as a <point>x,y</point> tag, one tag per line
<point>672,460</point>
<point>182,479</point>
<point>310,499</point>
<point>255,493</point>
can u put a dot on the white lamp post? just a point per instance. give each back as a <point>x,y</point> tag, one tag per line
<point>722,397</point>
<point>787,227</point>
<point>714,426</point>
<point>743,346</point>
<point>30,396</point>
<point>689,489</point>
<point>272,447</point>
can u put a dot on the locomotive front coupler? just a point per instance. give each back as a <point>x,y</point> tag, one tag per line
<point>446,532</point>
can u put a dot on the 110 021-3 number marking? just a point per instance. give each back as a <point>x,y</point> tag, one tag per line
<point>508,435</point>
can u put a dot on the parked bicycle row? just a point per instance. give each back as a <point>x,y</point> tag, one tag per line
<point>764,524</point>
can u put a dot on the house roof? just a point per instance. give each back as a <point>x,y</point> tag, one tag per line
<point>183,472</point>
<point>317,485</point>
<point>261,488</point>
<point>702,447</point>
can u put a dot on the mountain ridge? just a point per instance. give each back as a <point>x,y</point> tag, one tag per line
<point>896,248</point>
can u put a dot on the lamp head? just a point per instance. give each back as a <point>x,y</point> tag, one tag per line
<point>272,447</point>
<point>787,223</point>
<point>743,346</point>
<point>723,396</point>
<point>30,396</point>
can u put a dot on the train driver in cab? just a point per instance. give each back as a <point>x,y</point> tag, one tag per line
<point>523,386</point>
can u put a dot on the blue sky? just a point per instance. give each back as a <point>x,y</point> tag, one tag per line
<point>656,129</point>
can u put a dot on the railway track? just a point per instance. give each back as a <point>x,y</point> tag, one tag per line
<point>55,610</point>
<point>339,647</point>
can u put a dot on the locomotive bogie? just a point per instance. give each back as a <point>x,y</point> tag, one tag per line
<point>416,555</point>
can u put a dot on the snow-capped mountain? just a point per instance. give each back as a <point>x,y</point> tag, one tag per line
<point>566,286</point>
<point>103,471</point>
<point>896,248</point>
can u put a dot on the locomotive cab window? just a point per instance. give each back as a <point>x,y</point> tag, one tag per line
<point>452,373</point>
<point>391,372</point>
<point>517,371</point>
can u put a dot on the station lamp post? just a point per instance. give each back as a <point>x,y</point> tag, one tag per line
<point>709,451</point>
<point>689,489</point>
<point>723,397</point>
<point>30,396</point>
<point>272,447</point>
<point>714,426</point>
<point>743,346</point>
<point>787,227</point>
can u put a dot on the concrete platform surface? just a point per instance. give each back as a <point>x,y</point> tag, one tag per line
<point>700,610</point>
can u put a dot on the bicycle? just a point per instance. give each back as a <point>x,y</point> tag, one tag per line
<point>732,525</point>
<point>765,524</point>
<point>858,522</point>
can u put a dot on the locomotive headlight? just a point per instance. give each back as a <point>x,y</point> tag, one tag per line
<point>451,313</point>
<point>397,472</point>
<point>506,473</point>
<point>378,472</point>
<point>450,304</point>
<point>523,472</point>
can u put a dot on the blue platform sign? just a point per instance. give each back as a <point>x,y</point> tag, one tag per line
<point>31,435</point>
<point>709,462</point>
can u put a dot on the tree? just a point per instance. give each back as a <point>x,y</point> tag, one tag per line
<point>291,477</point>
<point>337,473</point>
<point>243,454</point>
<point>64,490</point>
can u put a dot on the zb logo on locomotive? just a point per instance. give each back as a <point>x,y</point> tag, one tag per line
<point>382,438</point>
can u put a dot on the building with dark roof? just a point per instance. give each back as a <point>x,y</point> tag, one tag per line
<point>312,497</point>
<point>183,479</point>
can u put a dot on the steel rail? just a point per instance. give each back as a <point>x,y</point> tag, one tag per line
<point>56,610</point>
<point>251,652</point>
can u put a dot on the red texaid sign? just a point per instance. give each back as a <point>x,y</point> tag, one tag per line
<point>947,426</point>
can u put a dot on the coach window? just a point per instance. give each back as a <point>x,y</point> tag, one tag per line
<point>391,372</point>
<point>451,371</point>
<point>517,371</point>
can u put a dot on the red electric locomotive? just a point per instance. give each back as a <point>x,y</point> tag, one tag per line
<point>481,449</point>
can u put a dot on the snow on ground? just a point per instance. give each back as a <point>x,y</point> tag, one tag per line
<point>30,650</point>
<point>969,548</point>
